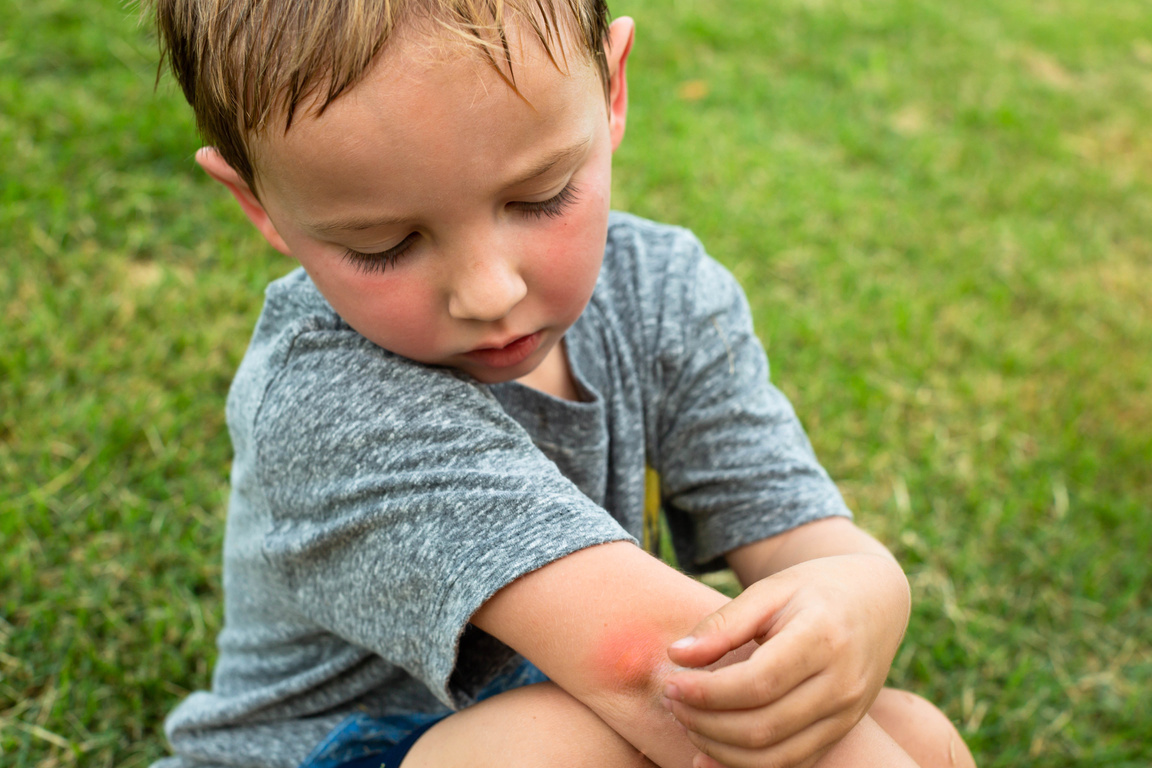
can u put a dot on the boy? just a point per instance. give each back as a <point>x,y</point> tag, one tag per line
<point>443,422</point>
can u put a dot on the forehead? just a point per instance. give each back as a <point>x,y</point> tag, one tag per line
<point>435,106</point>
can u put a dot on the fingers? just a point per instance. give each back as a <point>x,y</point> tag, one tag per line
<point>839,740</point>
<point>761,728</point>
<point>802,749</point>
<point>747,617</point>
<point>773,670</point>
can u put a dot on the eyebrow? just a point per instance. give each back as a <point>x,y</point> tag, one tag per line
<point>354,224</point>
<point>565,155</point>
<point>361,223</point>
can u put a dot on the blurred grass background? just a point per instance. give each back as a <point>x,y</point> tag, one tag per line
<point>940,212</point>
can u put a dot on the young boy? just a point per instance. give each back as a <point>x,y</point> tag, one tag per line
<point>447,421</point>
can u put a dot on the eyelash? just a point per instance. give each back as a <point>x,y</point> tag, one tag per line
<point>369,263</point>
<point>553,207</point>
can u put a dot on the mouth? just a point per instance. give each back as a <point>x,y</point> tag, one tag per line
<point>513,353</point>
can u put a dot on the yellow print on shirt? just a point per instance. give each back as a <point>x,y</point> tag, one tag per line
<point>651,511</point>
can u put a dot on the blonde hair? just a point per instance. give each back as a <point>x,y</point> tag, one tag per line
<point>244,63</point>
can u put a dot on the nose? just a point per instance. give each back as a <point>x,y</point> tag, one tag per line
<point>486,288</point>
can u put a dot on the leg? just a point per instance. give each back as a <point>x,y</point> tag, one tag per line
<point>524,728</point>
<point>903,730</point>
<point>866,746</point>
<point>921,729</point>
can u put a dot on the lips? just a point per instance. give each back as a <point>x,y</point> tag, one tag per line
<point>511,354</point>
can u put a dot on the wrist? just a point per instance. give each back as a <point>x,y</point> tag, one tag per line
<point>871,582</point>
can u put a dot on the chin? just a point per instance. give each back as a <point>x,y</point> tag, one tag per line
<point>498,377</point>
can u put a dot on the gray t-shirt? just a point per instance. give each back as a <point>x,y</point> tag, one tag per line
<point>377,503</point>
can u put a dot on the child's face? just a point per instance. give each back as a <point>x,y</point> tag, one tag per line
<point>442,216</point>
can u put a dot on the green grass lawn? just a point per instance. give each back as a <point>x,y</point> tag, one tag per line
<point>940,212</point>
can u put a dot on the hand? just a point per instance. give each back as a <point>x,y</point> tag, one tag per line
<point>827,631</point>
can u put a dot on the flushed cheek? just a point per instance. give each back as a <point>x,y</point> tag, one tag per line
<point>569,282</point>
<point>569,270</point>
<point>392,313</point>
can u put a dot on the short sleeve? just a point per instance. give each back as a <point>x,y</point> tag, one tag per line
<point>734,462</point>
<point>400,498</point>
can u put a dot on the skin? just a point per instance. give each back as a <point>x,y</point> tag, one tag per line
<point>443,217</point>
<point>626,653</point>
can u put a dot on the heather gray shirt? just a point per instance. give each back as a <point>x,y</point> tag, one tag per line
<point>377,502</point>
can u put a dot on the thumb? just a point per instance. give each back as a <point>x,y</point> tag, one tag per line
<point>748,616</point>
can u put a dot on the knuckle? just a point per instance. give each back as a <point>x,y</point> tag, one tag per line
<point>764,686</point>
<point>687,718</point>
<point>853,692</point>
<point>764,734</point>
<point>833,640</point>
<point>704,745</point>
<point>702,696</point>
<point>840,641</point>
<point>843,697</point>
<point>718,623</point>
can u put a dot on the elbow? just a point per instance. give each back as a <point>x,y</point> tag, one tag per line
<point>630,663</point>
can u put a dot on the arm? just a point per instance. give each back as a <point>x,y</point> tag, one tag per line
<point>829,537</point>
<point>598,622</point>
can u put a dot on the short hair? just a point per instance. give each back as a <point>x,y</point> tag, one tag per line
<point>244,63</point>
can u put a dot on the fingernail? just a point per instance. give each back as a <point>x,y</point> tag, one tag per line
<point>684,642</point>
<point>672,692</point>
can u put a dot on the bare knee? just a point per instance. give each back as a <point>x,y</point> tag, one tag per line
<point>921,729</point>
<point>526,727</point>
<point>587,741</point>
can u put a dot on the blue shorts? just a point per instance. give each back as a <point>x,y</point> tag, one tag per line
<point>363,741</point>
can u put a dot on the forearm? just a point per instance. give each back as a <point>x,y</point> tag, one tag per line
<point>599,623</point>
<point>822,538</point>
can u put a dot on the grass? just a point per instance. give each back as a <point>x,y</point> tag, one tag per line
<point>939,212</point>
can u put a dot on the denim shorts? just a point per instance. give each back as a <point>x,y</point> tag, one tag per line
<point>364,741</point>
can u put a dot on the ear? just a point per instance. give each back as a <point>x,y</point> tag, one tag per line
<point>218,168</point>
<point>620,36</point>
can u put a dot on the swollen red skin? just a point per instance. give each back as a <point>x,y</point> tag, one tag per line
<point>630,657</point>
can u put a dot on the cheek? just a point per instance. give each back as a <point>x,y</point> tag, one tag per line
<point>574,255</point>
<point>390,310</point>
<point>573,265</point>
<point>395,312</point>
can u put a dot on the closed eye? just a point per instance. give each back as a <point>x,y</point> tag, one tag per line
<point>371,263</point>
<point>554,206</point>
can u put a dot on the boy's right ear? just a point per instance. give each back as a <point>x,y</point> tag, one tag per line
<point>218,168</point>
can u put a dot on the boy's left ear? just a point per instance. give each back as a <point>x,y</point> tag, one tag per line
<point>620,36</point>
